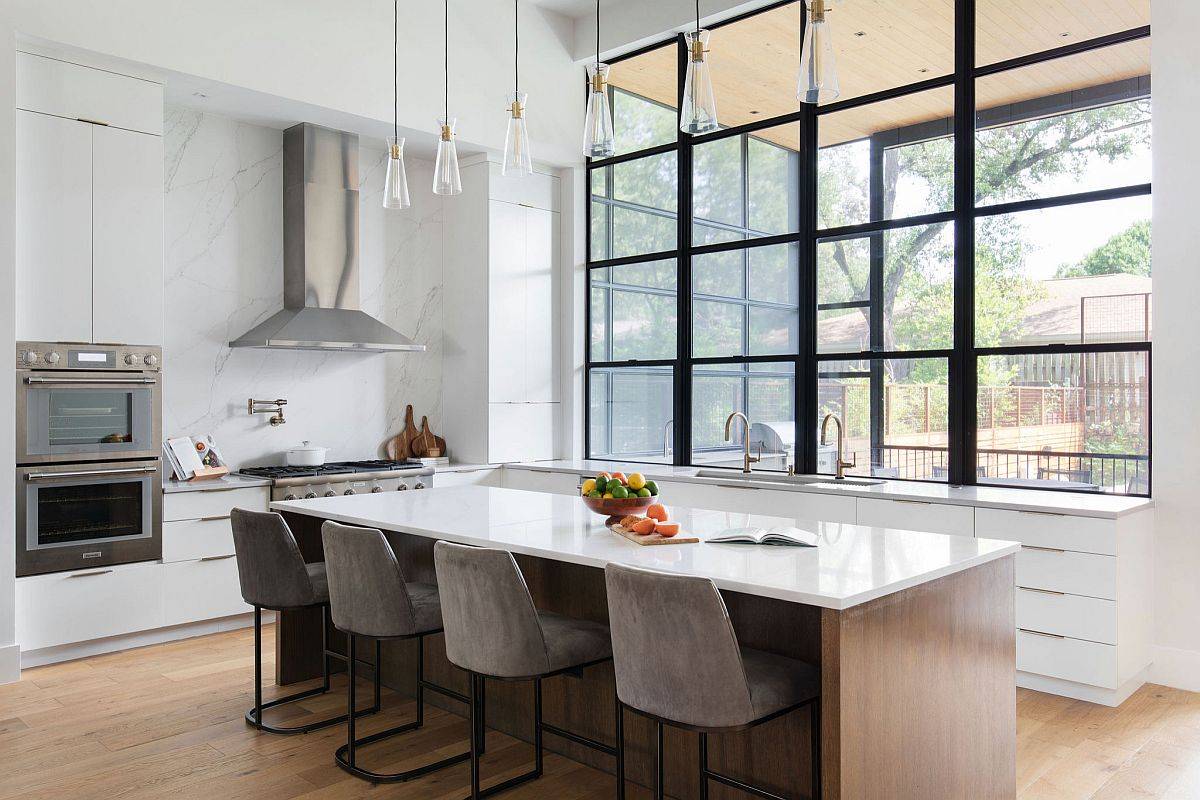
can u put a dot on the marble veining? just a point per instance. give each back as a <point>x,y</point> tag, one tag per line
<point>224,274</point>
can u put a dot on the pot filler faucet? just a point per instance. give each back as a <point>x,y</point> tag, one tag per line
<point>840,473</point>
<point>747,459</point>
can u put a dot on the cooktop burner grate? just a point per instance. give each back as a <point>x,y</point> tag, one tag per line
<point>332,468</point>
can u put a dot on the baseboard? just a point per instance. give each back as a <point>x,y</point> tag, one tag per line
<point>10,663</point>
<point>1083,691</point>
<point>1179,669</point>
<point>95,647</point>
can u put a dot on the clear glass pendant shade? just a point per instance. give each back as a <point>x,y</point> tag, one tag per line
<point>818,68</point>
<point>446,179</point>
<point>699,112</point>
<point>517,158</point>
<point>598,139</point>
<point>395,187</point>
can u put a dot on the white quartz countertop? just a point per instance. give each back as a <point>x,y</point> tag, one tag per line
<point>852,565</point>
<point>232,481</point>
<point>1078,504</point>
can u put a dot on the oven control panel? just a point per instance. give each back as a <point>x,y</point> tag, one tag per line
<point>96,357</point>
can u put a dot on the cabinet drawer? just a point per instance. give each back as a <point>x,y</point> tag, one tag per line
<point>475,477</point>
<point>188,539</point>
<point>63,89</point>
<point>1082,534</point>
<point>213,502</point>
<point>917,515</point>
<point>534,481</point>
<point>1067,615</point>
<point>200,590</point>
<point>1063,571</point>
<point>69,607</point>
<point>1068,659</point>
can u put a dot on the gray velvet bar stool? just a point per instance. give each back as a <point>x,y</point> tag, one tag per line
<point>370,598</point>
<point>664,624</point>
<point>273,575</point>
<point>493,630</point>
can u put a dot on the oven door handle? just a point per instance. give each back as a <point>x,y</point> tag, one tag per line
<point>90,381</point>
<point>90,473</point>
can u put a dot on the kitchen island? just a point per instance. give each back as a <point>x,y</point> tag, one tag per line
<point>913,634</point>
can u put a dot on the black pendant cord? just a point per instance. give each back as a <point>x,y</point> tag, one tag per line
<point>516,48</point>
<point>396,69</point>
<point>446,57</point>
<point>697,16</point>
<point>597,35</point>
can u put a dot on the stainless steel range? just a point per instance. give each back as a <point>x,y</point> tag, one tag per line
<point>343,478</point>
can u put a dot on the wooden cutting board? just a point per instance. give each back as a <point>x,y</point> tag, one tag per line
<point>399,447</point>
<point>649,539</point>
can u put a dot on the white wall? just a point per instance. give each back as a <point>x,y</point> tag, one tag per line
<point>224,266</point>
<point>1176,62</point>
<point>338,55</point>
<point>9,652</point>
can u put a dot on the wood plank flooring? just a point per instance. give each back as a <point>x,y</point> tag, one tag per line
<point>166,722</point>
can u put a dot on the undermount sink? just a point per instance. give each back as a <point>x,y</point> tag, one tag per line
<point>779,477</point>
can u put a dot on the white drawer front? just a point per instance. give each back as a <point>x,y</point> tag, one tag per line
<point>1064,571</point>
<point>1067,615</point>
<point>88,604</point>
<point>1068,659</point>
<point>534,481</point>
<point>63,89</point>
<point>477,477</point>
<point>189,539</point>
<point>912,515</point>
<point>1082,534</point>
<point>214,502</point>
<point>200,590</point>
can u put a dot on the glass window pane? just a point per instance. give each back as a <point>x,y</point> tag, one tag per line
<point>746,186</point>
<point>640,215</point>
<point>629,410</point>
<point>912,139</point>
<point>600,231</point>
<point>774,273</point>
<point>599,322</point>
<point>761,316</point>
<point>634,311</point>
<point>720,274</point>
<point>1007,29</point>
<point>1065,420</point>
<point>894,413</point>
<point>765,392</point>
<point>1070,274</point>
<point>773,331</point>
<point>644,99</point>
<point>915,268</point>
<point>1070,125</point>
<point>718,329</point>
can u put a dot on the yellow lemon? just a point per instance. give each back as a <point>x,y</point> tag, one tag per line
<point>588,486</point>
<point>608,495</point>
<point>636,480</point>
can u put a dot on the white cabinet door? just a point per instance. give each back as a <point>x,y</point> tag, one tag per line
<point>54,223</point>
<point>506,303</point>
<point>207,588</point>
<point>127,237</point>
<point>520,432</point>
<point>541,244</point>
<point>63,89</point>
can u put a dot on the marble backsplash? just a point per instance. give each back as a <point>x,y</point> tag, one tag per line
<point>224,274</point>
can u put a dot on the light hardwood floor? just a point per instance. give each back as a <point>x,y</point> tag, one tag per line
<point>166,722</point>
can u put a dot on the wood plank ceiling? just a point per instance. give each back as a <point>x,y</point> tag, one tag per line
<point>881,44</point>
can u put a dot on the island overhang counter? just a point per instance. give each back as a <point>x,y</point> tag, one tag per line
<point>913,634</point>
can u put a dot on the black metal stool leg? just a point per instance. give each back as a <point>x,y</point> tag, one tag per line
<point>258,666</point>
<point>351,665</point>
<point>658,772</point>
<point>703,766</point>
<point>537,726</point>
<point>620,750</point>
<point>474,695</point>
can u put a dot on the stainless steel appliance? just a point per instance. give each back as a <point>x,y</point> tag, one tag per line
<point>344,478</point>
<point>88,439</point>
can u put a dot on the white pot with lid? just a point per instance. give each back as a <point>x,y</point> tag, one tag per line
<point>305,455</point>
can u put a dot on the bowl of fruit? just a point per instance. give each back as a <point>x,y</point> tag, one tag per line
<point>615,495</point>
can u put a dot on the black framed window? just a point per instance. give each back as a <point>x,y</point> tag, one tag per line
<point>958,266</point>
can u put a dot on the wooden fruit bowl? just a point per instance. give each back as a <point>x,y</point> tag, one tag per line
<point>612,507</point>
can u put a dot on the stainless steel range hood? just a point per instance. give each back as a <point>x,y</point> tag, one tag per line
<point>320,252</point>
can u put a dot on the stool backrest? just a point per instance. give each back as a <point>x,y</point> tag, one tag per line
<point>675,654</point>
<point>491,624</point>
<point>367,595</point>
<point>270,567</point>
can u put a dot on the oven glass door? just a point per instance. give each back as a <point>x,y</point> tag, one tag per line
<point>79,416</point>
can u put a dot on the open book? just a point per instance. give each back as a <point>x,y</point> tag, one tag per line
<point>787,537</point>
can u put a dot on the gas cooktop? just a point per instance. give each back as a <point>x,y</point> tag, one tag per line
<point>332,468</point>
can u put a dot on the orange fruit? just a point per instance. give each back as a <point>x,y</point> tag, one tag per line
<point>666,529</point>
<point>658,511</point>
<point>645,527</point>
<point>619,476</point>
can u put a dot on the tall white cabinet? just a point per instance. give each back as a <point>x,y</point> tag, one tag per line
<point>90,180</point>
<point>500,393</point>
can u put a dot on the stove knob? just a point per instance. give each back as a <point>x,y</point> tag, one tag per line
<point>290,496</point>
<point>133,359</point>
<point>401,487</point>
<point>310,495</point>
<point>29,357</point>
<point>151,360</point>
<point>348,491</point>
<point>376,489</point>
<point>330,493</point>
<point>418,485</point>
<point>52,357</point>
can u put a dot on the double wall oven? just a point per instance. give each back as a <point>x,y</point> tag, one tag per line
<point>88,441</point>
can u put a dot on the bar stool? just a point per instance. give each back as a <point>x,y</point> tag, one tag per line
<point>664,624</point>
<point>273,575</point>
<point>370,598</point>
<point>493,630</point>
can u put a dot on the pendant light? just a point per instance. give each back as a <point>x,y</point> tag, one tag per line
<point>699,112</point>
<point>517,158</point>
<point>598,139</point>
<point>446,179</point>
<point>818,68</point>
<point>395,187</point>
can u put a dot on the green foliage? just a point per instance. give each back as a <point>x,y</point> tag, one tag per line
<point>1128,252</point>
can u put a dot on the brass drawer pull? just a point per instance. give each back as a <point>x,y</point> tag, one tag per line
<point>1041,591</point>
<point>911,502</point>
<point>215,518</point>
<point>1042,633</point>
<point>217,558</point>
<point>1043,513</point>
<point>89,574</point>
<point>1043,549</point>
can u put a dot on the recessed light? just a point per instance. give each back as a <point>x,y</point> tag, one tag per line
<point>200,95</point>
<point>1065,35</point>
<point>860,33</point>
<point>752,113</point>
<point>923,70</point>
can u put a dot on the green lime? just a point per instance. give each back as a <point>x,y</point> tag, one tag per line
<point>643,492</point>
<point>653,487</point>
<point>620,492</point>
<point>602,484</point>
<point>595,493</point>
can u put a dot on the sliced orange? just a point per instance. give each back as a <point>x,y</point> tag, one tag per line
<point>666,529</point>
<point>646,527</point>
<point>658,511</point>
